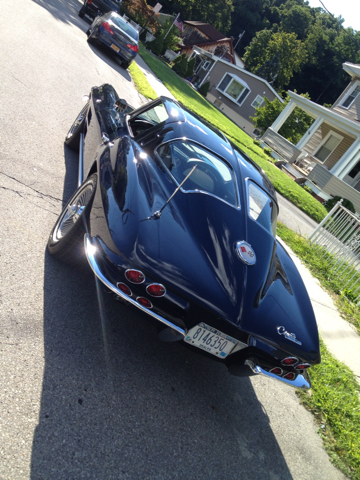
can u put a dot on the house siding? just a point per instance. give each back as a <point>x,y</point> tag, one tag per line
<point>353,112</point>
<point>334,186</point>
<point>339,151</point>
<point>256,86</point>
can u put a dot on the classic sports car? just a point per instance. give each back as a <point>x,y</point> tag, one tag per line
<point>178,222</point>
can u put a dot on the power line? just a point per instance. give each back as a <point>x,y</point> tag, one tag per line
<point>351,36</point>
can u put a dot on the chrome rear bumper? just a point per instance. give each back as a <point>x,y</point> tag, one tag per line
<point>90,251</point>
<point>299,382</point>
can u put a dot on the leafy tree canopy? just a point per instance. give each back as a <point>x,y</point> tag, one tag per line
<point>294,127</point>
<point>266,45</point>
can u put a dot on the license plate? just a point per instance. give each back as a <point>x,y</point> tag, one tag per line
<point>211,340</point>
<point>114,47</point>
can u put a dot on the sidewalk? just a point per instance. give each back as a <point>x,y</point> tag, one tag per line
<point>340,337</point>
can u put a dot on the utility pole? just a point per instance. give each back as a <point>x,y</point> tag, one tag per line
<point>240,37</point>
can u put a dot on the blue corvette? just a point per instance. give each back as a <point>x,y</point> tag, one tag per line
<point>180,223</point>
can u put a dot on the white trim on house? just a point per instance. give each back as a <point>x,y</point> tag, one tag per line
<point>205,64</point>
<point>236,67</point>
<point>331,133</point>
<point>236,79</point>
<point>355,87</point>
<point>313,109</point>
<point>258,101</point>
<point>352,69</point>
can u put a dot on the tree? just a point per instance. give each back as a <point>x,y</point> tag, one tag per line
<point>190,67</point>
<point>216,12</point>
<point>292,54</point>
<point>295,126</point>
<point>270,70</point>
<point>180,66</point>
<point>204,89</point>
<point>248,17</point>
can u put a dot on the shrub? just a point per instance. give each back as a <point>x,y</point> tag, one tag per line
<point>256,142</point>
<point>190,67</point>
<point>155,46</point>
<point>346,203</point>
<point>204,89</point>
<point>180,67</point>
<point>268,151</point>
<point>306,188</point>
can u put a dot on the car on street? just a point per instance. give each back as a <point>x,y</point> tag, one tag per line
<point>114,33</point>
<point>93,8</point>
<point>177,221</point>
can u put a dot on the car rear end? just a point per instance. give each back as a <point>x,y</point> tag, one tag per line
<point>119,36</point>
<point>93,8</point>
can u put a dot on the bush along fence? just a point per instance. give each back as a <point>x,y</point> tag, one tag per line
<point>337,238</point>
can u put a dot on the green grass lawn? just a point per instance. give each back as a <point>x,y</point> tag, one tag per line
<point>335,394</point>
<point>142,85</point>
<point>191,99</point>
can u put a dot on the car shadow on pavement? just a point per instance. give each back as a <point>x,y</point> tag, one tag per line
<point>118,403</point>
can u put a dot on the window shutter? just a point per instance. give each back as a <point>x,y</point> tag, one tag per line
<point>243,95</point>
<point>225,82</point>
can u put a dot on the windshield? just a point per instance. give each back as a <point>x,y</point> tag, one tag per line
<point>212,175</point>
<point>125,27</point>
<point>262,208</point>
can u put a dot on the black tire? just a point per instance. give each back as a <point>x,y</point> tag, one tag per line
<point>82,12</point>
<point>66,240</point>
<point>72,139</point>
<point>126,65</point>
<point>90,39</point>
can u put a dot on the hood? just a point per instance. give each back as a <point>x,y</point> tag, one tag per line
<point>191,248</point>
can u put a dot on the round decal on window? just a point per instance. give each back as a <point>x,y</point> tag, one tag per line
<point>245,253</point>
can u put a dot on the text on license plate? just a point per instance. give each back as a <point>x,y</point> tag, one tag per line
<point>210,340</point>
<point>114,47</point>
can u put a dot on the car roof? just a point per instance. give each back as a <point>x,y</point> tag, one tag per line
<point>193,127</point>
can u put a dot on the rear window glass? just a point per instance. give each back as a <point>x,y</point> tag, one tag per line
<point>262,208</point>
<point>125,27</point>
<point>212,175</point>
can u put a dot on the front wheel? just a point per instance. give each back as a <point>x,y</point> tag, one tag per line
<point>72,139</point>
<point>66,241</point>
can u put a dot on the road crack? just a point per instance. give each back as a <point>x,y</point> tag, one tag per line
<point>42,195</point>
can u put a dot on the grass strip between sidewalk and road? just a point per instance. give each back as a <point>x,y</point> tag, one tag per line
<point>334,398</point>
<point>195,102</point>
<point>319,268</point>
<point>141,82</point>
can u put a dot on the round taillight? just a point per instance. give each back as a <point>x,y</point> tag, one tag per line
<point>156,290</point>
<point>276,371</point>
<point>289,376</point>
<point>302,366</point>
<point>289,361</point>
<point>135,276</point>
<point>144,302</point>
<point>124,288</point>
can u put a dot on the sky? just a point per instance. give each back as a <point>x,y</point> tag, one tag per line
<point>348,9</point>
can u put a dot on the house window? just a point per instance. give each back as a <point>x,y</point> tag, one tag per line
<point>350,98</point>
<point>205,65</point>
<point>234,88</point>
<point>327,146</point>
<point>354,171</point>
<point>259,100</point>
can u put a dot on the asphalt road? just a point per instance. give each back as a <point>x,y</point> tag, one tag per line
<point>87,390</point>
